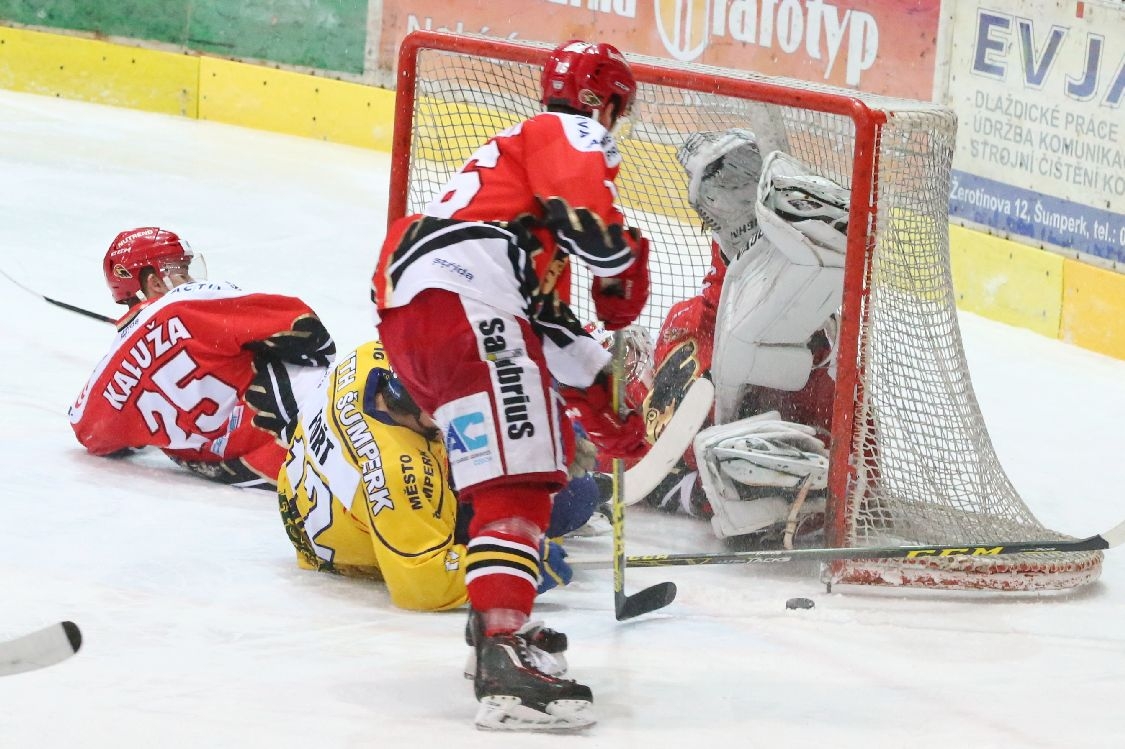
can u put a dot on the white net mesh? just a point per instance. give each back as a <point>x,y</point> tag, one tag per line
<point>922,469</point>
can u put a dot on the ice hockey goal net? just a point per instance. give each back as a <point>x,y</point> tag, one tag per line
<point>911,460</point>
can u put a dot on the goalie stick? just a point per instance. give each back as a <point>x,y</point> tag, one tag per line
<point>1107,540</point>
<point>655,596</point>
<point>57,303</point>
<point>39,649</point>
<point>673,442</point>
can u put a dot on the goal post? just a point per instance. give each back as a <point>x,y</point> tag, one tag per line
<point>911,461</point>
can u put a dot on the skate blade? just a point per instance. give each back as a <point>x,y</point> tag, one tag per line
<point>505,713</point>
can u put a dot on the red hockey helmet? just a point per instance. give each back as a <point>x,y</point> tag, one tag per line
<point>585,77</point>
<point>136,249</point>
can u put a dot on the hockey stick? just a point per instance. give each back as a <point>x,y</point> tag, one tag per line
<point>57,303</point>
<point>1107,540</point>
<point>673,442</point>
<point>39,649</point>
<point>656,596</point>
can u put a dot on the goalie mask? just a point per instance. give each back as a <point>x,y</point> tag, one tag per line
<point>638,352</point>
<point>723,170</point>
<point>148,248</point>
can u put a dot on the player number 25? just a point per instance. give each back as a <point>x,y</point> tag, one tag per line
<point>163,408</point>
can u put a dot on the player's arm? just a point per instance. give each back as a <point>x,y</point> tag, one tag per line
<point>617,257</point>
<point>99,421</point>
<point>281,327</point>
<point>573,177</point>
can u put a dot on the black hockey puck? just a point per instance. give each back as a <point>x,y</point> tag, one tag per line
<point>799,603</point>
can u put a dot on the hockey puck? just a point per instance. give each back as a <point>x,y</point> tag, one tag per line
<point>799,603</point>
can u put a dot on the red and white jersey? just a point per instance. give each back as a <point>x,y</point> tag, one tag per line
<point>550,155</point>
<point>177,374</point>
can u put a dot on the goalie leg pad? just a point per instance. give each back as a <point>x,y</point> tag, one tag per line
<point>782,289</point>
<point>752,469</point>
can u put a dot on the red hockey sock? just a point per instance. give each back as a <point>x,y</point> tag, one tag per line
<point>502,564</point>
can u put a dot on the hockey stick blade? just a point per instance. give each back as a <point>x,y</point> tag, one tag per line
<point>63,305</point>
<point>648,599</point>
<point>673,442</point>
<point>1107,540</point>
<point>644,601</point>
<point>40,649</point>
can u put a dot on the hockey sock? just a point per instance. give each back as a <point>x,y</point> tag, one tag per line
<point>502,563</point>
<point>502,573</point>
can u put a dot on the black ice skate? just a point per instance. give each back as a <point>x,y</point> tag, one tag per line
<point>548,646</point>
<point>516,694</point>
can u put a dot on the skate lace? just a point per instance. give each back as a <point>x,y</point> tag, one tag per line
<point>532,655</point>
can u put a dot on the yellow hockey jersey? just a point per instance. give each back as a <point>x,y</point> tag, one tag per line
<point>362,496</point>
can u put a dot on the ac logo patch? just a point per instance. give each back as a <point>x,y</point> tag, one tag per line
<point>471,439</point>
<point>464,434</point>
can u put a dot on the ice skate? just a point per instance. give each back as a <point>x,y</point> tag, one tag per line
<point>516,694</point>
<point>547,646</point>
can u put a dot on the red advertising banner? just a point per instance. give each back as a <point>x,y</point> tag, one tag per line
<point>880,46</point>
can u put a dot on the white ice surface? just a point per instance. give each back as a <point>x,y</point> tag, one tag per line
<point>201,632</point>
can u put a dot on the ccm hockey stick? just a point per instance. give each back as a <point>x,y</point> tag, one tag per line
<point>39,649</point>
<point>1107,540</point>
<point>654,597</point>
<point>57,303</point>
<point>673,442</point>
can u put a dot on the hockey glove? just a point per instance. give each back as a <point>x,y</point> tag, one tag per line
<point>573,505</point>
<point>553,569</point>
<point>618,300</point>
<point>593,408</point>
<point>618,258</point>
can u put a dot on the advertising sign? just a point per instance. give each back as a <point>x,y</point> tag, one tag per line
<point>1038,88</point>
<point>880,46</point>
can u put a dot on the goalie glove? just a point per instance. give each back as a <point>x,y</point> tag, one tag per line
<point>617,256</point>
<point>723,171</point>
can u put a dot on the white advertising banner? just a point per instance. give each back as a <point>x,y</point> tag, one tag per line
<point>1038,88</point>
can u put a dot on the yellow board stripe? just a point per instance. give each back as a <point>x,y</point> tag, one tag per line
<point>1007,281</point>
<point>1093,308</point>
<point>99,72</point>
<point>294,104</point>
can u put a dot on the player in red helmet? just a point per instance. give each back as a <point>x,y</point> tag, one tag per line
<point>589,79</point>
<point>202,370</point>
<point>482,276</point>
<point>145,263</point>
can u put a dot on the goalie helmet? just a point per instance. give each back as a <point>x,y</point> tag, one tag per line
<point>638,351</point>
<point>136,249</point>
<point>723,170</point>
<point>585,77</point>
